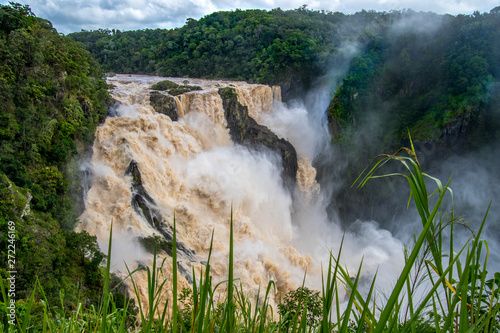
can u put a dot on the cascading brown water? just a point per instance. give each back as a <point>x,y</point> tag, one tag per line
<point>147,168</point>
<point>192,169</point>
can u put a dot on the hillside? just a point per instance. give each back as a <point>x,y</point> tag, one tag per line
<point>434,77</point>
<point>424,72</point>
<point>390,74</point>
<point>289,48</point>
<point>52,97</point>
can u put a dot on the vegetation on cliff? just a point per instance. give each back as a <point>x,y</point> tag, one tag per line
<point>52,97</point>
<point>173,88</point>
<point>433,75</point>
<point>436,75</point>
<point>443,287</point>
<point>440,80</point>
<point>283,47</point>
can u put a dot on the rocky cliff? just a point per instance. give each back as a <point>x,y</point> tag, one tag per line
<point>245,130</point>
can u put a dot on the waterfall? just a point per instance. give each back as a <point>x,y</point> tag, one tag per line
<point>276,93</point>
<point>147,168</point>
<point>192,169</point>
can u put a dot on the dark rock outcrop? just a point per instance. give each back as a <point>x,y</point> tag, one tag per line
<point>112,107</point>
<point>184,270</point>
<point>142,202</point>
<point>245,130</point>
<point>164,104</point>
<point>145,206</point>
<point>168,231</point>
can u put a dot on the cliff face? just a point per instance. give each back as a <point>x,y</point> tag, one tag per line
<point>363,126</point>
<point>164,104</point>
<point>245,130</point>
<point>439,84</point>
<point>53,96</point>
<point>150,171</point>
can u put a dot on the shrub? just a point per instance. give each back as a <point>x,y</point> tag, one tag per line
<point>300,300</point>
<point>164,85</point>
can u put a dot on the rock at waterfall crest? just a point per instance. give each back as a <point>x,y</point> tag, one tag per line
<point>245,130</point>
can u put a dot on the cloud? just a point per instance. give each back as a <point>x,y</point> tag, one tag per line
<point>71,16</point>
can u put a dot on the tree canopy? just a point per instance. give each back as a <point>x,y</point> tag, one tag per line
<point>273,47</point>
<point>52,96</point>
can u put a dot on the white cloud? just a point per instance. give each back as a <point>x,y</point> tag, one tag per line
<point>70,16</point>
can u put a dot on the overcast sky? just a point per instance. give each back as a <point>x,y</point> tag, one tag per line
<point>75,15</point>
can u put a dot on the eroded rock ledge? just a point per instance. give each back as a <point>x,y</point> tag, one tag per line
<point>164,104</point>
<point>145,206</point>
<point>245,130</point>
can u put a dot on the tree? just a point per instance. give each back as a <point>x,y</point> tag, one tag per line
<point>297,301</point>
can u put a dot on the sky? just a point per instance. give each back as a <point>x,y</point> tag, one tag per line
<point>75,15</point>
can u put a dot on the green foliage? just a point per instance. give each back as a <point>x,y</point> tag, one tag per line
<point>173,88</point>
<point>468,306</point>
<point>275,47</point>
<point>431,81</point>
<point>186,308</point>
<point>434,75</point>
<point>58,259</point>
<point>53,95</point>
<point>154,243</point>
<point>164,85</point>
<point>458,298</point>
<point>183,89</point>
<point>15,16</point>
<point>297,301</point>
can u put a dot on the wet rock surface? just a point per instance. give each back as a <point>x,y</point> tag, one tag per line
<point>142,202</point>
<point>245,130</point>
<point>145,206</point>
<point>164,104</point>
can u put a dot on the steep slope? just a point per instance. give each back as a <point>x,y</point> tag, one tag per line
<point>52,97</point>
<point>434,77</point>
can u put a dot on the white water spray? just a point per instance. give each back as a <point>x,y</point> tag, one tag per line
<point>192,169</point>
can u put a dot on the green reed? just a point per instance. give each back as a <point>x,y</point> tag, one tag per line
<point>456,294</point>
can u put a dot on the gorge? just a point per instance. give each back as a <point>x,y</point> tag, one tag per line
<point>214,161</point>
<point>83,153</point>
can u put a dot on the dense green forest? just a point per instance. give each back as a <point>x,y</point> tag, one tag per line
<point>275,47</point>
<point>52,97</point>
<point>435,76</point>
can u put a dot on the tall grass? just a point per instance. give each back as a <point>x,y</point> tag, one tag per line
<point>459,308</point>
<point>457,295</point>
